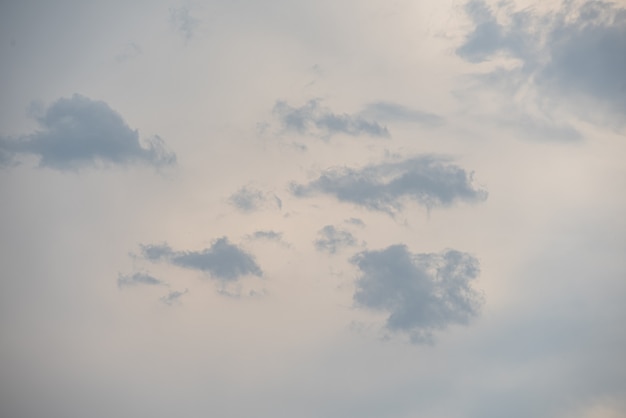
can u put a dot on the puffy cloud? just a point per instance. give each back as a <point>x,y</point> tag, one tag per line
<point>331,239</point>
<point>138,279</point>
<point>314,119</point>
<point>78,132</point>
<point>430,181</point>
<point>577,52</point>
<point>422,293</point>
<point>223,260</point>
<point>394,112</point>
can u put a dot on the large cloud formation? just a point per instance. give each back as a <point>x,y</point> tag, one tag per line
<point>421,293</point>
<point>577,52</point>
<point>430,181</point>
<point>314,119</point>
<point>79,132</point>
<point>223,261</point>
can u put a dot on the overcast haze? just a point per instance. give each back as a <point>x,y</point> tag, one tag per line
<point>328,209</point>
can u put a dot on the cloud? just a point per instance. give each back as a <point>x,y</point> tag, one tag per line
<point>173,297</point>
<point>331,239</point>
<point>79,132</point>
<point>577,52</point>
<point>430,181</point>
<point>355,221</point>
<point>138,279</point>
<point>183,22</point>
<point>223,260</point>
<point>316,120</point>
<point>422,293</point>
<point>393,112</point>
<point>131,50</point>
<point>249,199</point>
<point>269,235</point>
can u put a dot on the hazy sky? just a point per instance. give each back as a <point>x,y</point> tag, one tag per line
<point>355,208</point>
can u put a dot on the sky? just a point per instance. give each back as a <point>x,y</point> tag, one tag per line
<point>367,208</point>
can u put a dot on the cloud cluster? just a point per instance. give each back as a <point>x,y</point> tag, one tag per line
<point>223,261</point>
<point>427,180</point>
<point>79,132</point>
<point>422,293</point>
<point>332,239</point>
<point>577,52</point>
<point>314,119</point>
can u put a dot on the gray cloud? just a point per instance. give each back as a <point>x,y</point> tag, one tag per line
<point>130,51</point>
<point>138,279</point>
<point>78,132</point>
<point>249,199</point>
<point>356,222</point>
<point>579,51</point>
<point>223,261</point>
<point>422,293</point>
<point>430,181</point>
<point>394,112</point>
<point>173,297</point>
<point>269,235</point>
<point>183,22</point>
<point>332,239</point>
<point>314,119</point>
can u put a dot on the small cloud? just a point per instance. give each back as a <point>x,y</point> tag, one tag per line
<point>427,180</point>
<point>247,199</point>
<point>223,260</point>
<point>421,293</point>
<point>250,199</point>
<point>393,112</point>
<point>138,279</point>
<point>130,51</point>
<point>182,21</point>
<point>79,132</point>
<point>268,235</point>
<point>316,120</point>
<point>332,239</point>
<point>355,221</point>
<point>173,297</point>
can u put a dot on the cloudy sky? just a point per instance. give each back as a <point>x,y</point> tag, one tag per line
<point>312,209</point>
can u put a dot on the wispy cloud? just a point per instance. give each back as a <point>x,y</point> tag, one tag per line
<point>428,180</point>
<point>422,293</point>
<point>394,112</point>
<point>250,199</point>
<point>173,297</point>
<point>183,22</point>
<point>314,119</point>
<point>138,279</point>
